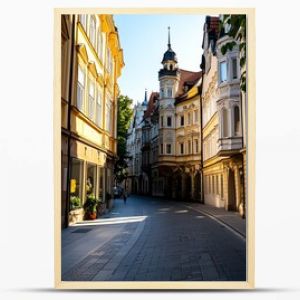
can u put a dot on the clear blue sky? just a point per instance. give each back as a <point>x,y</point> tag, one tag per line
<point>144,40</point>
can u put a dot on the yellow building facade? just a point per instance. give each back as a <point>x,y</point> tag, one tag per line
<point>91,62</point>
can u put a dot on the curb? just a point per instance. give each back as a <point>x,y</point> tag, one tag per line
<point>218,220</point>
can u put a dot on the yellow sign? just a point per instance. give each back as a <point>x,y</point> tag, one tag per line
<point>73,186</point>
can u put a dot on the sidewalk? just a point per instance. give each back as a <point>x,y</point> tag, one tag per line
<point>229,218</point>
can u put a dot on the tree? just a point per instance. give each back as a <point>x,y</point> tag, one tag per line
<point>237,30</point>
<point>124,116</point>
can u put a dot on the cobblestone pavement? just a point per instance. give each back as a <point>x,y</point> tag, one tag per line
<point>151,239</point>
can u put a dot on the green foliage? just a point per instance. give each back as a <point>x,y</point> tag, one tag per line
<point>75,202</point>
<point>238,32</point>
<point>91,203</point>
<point>125,113</point>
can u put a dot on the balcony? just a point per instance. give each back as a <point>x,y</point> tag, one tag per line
<point>230,143</point>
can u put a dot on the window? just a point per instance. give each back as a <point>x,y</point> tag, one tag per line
<point>225,122</point>
<point>161,121</point>
<point>189,147</point>
<point>169,149</point>
<point>100,45</point>
<point>237,122</point>
<point>80,88</point>
<point>223,71</point>
<point>92,33</point>
<point>217,185</point>
<point>108,114</point>
<point>234,68</point>
<point>101,183</point>
<point>169,91</point>
<point>76,180</point>
<point>162,93</point>
<point>99,108</point>
<point>181,148</point>
<point>169,121</point>
<point>82,20</point>
<point>91,108</point>
<point>91,180</point>
<point>109,61</point>
<point>196,146</point>
<point>182,121</point>
<point>161,148</point>
<point>189,118</point>
<point>196,115</point>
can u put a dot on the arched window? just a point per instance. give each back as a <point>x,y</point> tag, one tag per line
<point>225,122</point>
<point>237,121</point>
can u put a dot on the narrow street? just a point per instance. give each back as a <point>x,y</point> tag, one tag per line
<point>153,239</point>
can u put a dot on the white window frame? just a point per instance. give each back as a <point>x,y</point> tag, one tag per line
<point>80,88</point>
<point>93,30</point>
<point>91,98</point>
<point>221,72</point>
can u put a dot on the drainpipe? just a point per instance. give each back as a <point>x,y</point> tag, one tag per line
<point>201,140</point>
<point>69,121</point>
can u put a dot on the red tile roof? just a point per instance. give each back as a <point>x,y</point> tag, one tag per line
<point>189,78</point>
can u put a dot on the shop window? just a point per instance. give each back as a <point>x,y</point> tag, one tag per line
<point>101,183</point>
<point>76,181</point>
<point>91,180</point>
<point>80,88</point>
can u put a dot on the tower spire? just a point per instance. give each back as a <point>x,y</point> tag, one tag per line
<point>145,99</point>
<point>169,38</point>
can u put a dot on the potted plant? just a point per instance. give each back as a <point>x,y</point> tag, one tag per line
<point>75,202</point>
<point>90,207</point>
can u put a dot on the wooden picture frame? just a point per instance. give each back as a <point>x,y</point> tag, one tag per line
<point>250,202</point>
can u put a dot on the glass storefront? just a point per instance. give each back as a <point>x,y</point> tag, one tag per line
<point>91,179</point>
<point>76,183</point>
<point>101,183</point>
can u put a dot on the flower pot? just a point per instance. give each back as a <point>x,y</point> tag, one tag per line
<point>90,215</point>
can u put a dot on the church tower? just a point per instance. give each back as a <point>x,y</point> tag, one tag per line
<point>168,77</point>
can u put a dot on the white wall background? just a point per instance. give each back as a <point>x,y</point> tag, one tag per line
<point>26,141</point>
